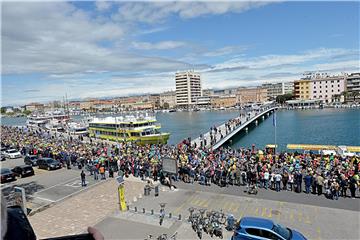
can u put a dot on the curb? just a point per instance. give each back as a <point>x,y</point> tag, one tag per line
<point>44,207</point>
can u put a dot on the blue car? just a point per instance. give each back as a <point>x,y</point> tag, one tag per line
<point>252,228</point>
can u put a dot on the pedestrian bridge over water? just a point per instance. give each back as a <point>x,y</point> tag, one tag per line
<point>215,139</point>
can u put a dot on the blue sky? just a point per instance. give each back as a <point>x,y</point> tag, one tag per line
<point>104,49</point>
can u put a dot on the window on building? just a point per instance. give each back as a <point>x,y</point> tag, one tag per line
<point>338,80</point>
<point>326,86</point>
<point>326,91</point>
<point>338,85</point>
<point>332,90</point>
<point>332,81</point>
<point>320,86</point>
<point>320,91</point>
<point>314,92</point>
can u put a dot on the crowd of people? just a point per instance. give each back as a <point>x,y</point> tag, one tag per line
<point>332,176</point>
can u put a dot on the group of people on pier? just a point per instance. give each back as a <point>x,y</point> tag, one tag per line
<point>332,176</point>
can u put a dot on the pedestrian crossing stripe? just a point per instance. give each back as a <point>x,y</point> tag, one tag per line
<point>257,211</point>
<point>307,220</point>
<point>265,213</point>
<point>178,209</point>
<point>300,216</point>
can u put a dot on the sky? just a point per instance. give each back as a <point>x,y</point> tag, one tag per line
<point>108,49</point>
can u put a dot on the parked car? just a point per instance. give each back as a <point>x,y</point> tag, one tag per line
<point>3,149</point>
<point>253,228</point>
<point>23,171</point>
<point>12,153</point>
<point>48,163</point>
<point>7,175</point>
<point>31,160</point>
<point>3,158</point>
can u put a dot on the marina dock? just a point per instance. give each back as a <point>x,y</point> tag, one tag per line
<point>227,130</point>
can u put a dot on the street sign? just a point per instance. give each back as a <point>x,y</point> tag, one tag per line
<point>169,165</point>
<point>120,179</point>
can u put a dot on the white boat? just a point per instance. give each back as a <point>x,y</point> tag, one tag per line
<point>77,128</point>
<point>41,120</point>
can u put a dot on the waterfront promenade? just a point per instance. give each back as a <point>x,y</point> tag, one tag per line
<point>218,135</point>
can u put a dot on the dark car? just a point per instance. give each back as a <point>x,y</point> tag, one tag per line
<point>252,228</point>
<point>23,171</point>
<point>48,163</point>
<point>31,160</point>
<point>7,175</point>
<point>3,158</point>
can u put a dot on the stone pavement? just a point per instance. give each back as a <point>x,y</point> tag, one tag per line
<point>313,221</point>
<point>75,214</point>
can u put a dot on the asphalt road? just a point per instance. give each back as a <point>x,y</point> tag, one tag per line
<point>46,186</point>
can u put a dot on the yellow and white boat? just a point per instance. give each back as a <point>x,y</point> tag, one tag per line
<point>142,130</point>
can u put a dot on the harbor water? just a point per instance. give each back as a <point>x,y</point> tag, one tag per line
<point>315,126</point>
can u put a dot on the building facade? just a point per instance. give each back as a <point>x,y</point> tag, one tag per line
<point>188,88</point>
<point>302,89</point>
<point>276,89</point>
<point>251,95</point>
<point>353,87</point>
<point>223,101</point>
<point>168,99</point>
<point>321,87</point>
<point>326,88</point>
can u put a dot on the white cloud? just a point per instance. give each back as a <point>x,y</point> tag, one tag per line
<point>58,38</point>
<point>225,51</point>
<point>103,5</point>
<point>154,12</point>
<point>158,46</point>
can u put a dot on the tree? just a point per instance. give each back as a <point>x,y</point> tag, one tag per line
<point>3,110</point>
<point>283,98</point>
<point>166,105</point>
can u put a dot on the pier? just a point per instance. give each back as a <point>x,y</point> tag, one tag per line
<point>215,138</point>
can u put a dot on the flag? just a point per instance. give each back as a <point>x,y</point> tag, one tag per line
<point>274,119</point>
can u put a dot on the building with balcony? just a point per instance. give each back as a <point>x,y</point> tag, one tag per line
<point>188,88</point>
<point>276,89</point>
<point>302,89</point>
<point>353,87</point>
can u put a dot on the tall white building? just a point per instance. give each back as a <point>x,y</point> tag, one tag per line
<point>188,88</point>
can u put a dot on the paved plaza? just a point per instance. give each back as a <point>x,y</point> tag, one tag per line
<point>313,221</point>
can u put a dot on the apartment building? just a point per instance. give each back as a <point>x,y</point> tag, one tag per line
<point>353,87</point>
<point>276,89</point>
<point>188,88</point>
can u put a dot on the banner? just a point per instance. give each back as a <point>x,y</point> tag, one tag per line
<point>121,190</point>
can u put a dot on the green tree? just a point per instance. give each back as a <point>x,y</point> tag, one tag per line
<point>285,97</point>
<point>27,112</point>
<point>3,110</point>
<point>166,105</point>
